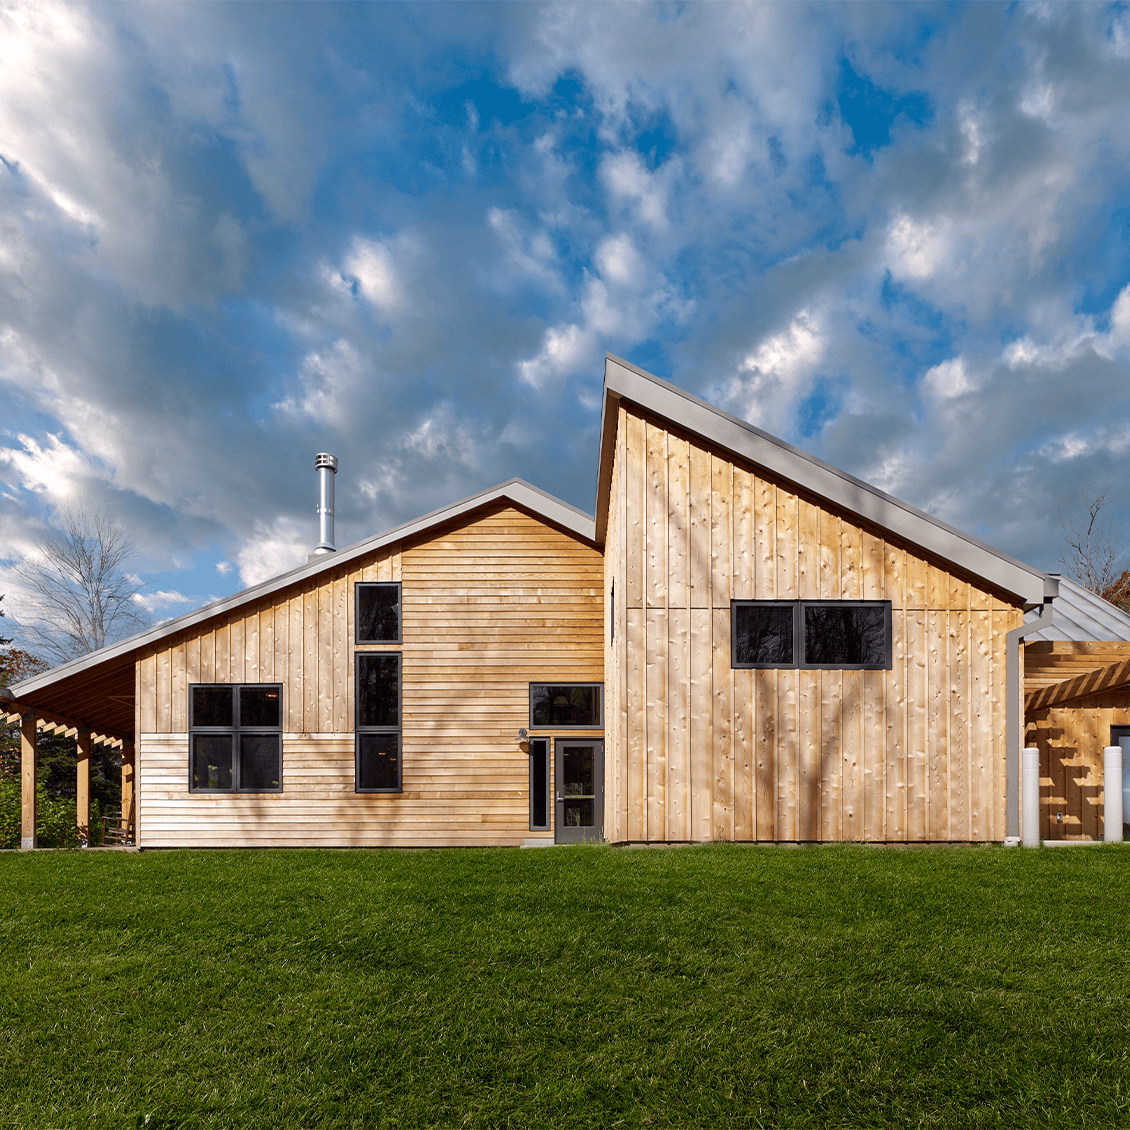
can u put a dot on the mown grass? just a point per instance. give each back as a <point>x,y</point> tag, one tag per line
<point>589,986</point>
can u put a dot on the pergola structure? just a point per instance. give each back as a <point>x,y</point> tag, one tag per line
<point>94,707</point>
<point>1076,700</point>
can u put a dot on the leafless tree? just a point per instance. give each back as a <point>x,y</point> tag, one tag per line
<point>1096,547</point>
<point>79,595</point>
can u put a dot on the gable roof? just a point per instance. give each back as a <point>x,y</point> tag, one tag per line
<point>625,381</point>
<point>1081,616</point>
<point>119,656</point>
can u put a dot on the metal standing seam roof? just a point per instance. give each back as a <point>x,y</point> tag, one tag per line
<point>813,476</point>
<point>622,379</point>
<point>517,491</point>
<point>1081,616</point>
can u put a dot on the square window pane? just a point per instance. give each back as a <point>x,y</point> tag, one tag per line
<point>211,761</point>
<point>580,814</point>
<point>378,761</point>
<point>846,635</point>
<point>212,706</point>
<point>260,762</point>
<point>378,690</point>
<point>564,705</point>
<point>259,706</point>
<point>763,634</point>
<point>378,613</point>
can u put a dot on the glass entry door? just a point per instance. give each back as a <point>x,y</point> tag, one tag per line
<point>579,794</point>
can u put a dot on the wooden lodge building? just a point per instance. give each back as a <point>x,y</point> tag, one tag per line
<point>744,644</point>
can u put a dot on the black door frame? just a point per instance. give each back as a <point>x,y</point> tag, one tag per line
<point>594,834</point>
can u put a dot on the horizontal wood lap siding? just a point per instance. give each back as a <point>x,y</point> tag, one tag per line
<point>488,607</point>
<point>914,753</point>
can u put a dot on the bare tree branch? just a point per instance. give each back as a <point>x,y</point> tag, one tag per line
<point>79,596</point>
<point>1095,548</point>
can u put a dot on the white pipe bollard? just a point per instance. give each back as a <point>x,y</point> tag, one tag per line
<point>1030,797</point>
<point>1112,794</point>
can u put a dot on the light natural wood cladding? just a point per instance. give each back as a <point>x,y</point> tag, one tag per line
<point>1074,693</point>
<point>489,605</point>
<point>911,754</point>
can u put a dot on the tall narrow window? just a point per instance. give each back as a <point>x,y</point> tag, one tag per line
<point>235,738</point>
<point>378,761</point>
<point>539,784</point>
<point>378,613</point>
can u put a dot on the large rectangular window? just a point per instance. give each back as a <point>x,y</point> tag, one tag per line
<point>568,706</point>
<point>378,725</point>
<point>235,738</point>
<point>378,613</point>
<point>821,634</point>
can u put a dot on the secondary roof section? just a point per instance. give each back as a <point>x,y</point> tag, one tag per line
<point>97,690</point>
<point>624,381</point>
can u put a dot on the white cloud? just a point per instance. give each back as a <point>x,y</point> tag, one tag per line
<point>1114,440</point>
<point>917,249</point>
<point>53,467</point>
<point>154,602</point>
<point>772,377</point>
<point>563,351</point>
<point>618,261</point>
<point>98,186</point>
<point>950,379</point>
<point>1120,321</point>
<point>371,263</point>
<point>223,568</point>
<point>628,180</point>
<point>275,547</point>
<point>443,436</point>
<point>331,382</point>
<point>530,256</point>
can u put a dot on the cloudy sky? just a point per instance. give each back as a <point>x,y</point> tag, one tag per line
<point>232,236</point>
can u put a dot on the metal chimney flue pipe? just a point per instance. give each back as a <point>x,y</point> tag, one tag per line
<point>327,468</point>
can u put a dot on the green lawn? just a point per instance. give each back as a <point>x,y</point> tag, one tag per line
<point>588,986</point>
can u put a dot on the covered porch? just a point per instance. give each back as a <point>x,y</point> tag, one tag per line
<point>1076,699</point>
<point>91,703</point>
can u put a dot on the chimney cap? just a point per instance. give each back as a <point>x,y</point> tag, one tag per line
<point>325,459</point>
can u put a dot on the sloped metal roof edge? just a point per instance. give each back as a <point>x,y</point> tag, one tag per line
<point>624,380</point>
<point>1081,616</point>
<point>518,491</point>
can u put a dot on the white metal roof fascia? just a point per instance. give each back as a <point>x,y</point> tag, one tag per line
<point>545,505</point>
<point>627,381</point>
<point>1081,616</point>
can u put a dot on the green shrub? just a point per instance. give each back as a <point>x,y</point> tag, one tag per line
<point>55,817</point>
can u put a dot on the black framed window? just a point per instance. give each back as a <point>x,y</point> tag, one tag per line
<point>571,706</point>
<point>378,613</point>
<point>235,738</point>
<point>539,784</point>
<point>378,724</point>
<point>821,634</point>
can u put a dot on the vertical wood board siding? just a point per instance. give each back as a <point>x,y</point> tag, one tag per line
<point>910,754</point>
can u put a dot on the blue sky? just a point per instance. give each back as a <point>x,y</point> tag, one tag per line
<point>232,236</point>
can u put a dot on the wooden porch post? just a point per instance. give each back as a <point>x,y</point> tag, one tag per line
<point>127,779</point>
<point>82,791</point>
<point>28,765</point>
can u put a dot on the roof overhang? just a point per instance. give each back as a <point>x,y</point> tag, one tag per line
<point>624,381</point>
<point>516,492</point>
